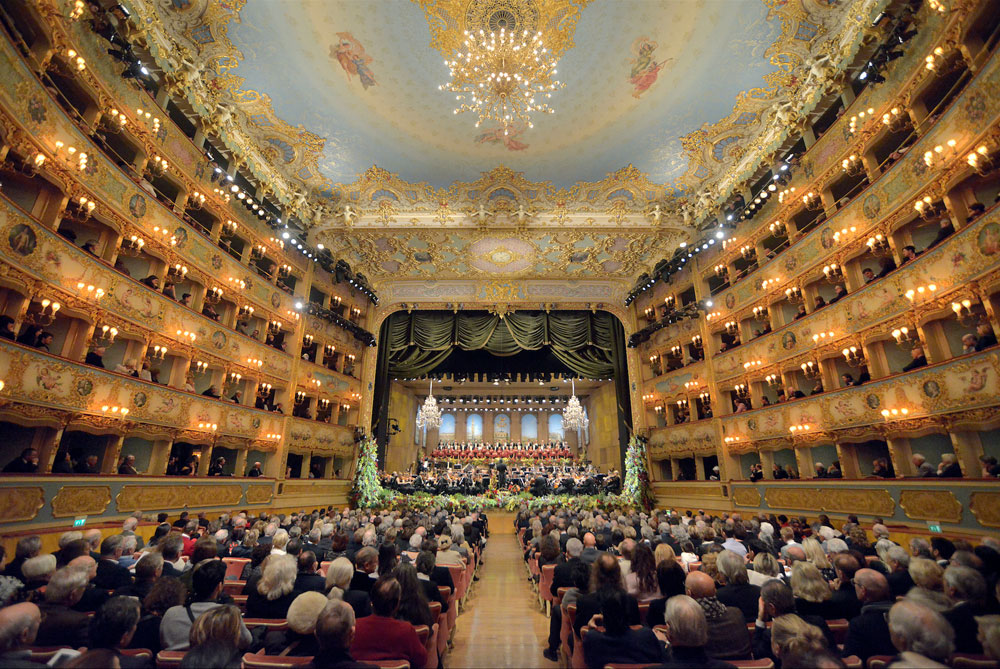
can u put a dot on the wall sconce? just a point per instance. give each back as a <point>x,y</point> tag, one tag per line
<point>675,351</point>
<point>284,270</point>
<point>159,352</point>
<point>649,313</point>
<point>878,245</point>
<point>935,60</point>
<point>345,407</point>
<point>132,246</point>
<point>786,194</point>
<point>257,252</point>
<point>213,295</point>
<point>30,168</point>
<point>229,228</point>
<point>200,367</point>
<point>895,414</point>
<point>904,336</point>
<point>712,316</point>
<point>921,292</point>
<point>937,6</point>
<point>980,160</point>
<point>300,396</point>
<point>777,228</point>
<point>184,334</point>
<point>794,295</point>
<point>731,327</point>
<point>732,440</point>
<point>234,378</point>
<point>246,311</point>
<point>209,427</point>
<point>274,327</point>
<point>324,404</point>
<point>854,356</point>
<point>255,362</point>
<point>77,11</point>
<point>741,390</point>
<point>177,272</point>
<point>799,428</point>
<point>760,313</point>
<point>682,404</point>
<point>329,350</point>
<point>691,385</point>
<point>196,200</point>
<point>150,120</point>
<point>812,201</point>
<point>772,379</point>
<point>658,408</point>
<point>165,235</point>
<point>810,369</point>
<point>852,165</point>
<point>89,291</point>
<point>46,315</point>
<point>76,60</point>
<point>940,153</point>
<point>264,389</point>
<point>858,119</point>
<point>272,436</point>
<point>647,398</point>
<point>114,411</point>
<point>746,251</point>
<point>157,166</point>
<point>895,119</point>
<point>768,283</point>
<point>238,283</point>
<point>752,364</point>
<point>669,301</point>
<point>926,207</point>
<point>833,272</point>
<point>963,312</point>
<point>721,270</point>
<point>107,335</point>
<point>822,337</point>
<point>294,315</point>
<point>844,233</point>
<point>705,398</point>
<point>696,341</point>
<point>336,300</point>
<point>307,340</point>
<point>81,209</point>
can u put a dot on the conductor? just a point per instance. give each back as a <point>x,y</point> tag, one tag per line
<point>502,475</point>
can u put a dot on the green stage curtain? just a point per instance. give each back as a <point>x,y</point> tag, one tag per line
<point>419,342</point>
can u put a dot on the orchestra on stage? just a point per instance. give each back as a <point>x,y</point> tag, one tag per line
<point>439,477</point>
<point>514,450</point>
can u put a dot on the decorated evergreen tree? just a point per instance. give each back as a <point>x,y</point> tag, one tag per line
<point>367,492</point>
<point>637,489</point>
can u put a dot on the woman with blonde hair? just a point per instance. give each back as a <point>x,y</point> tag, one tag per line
<point>663,553</point>
<point>273,594</point>
<point>928,584</point>
<point>815,555</point>
<point>278,542</point>
<point>812,593</point>
<point>338,583</point>
<point>765,568</point>
<point>791,634</point>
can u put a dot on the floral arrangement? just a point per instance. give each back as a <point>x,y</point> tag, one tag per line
<point>637,490</point>
<point>367,492</point>
<point>502,500</point>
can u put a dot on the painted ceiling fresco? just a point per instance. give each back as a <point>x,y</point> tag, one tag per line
<point>667,101</point>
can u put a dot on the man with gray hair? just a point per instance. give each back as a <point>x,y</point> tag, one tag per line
<point>687,633</point>
<point>967,589</point>
<point>868,632</point>
<point>93,538</point>
<point>924,468</point>
<point>898,563</point>
<point>129,526</point>
<point>737,592</point>
<point>110,574</point>
<point>18,629</point>
<point>335,628</point>
<point>922,636</point>
<point>61,625</point>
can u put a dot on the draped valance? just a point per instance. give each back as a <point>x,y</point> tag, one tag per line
<point>418,342</point>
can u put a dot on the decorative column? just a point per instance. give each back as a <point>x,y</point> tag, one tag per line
<point>543,426</point>
<point>968,447</point>
<point>240,466</point>
<point>848,456</point>
<point>900,453</point>
<point>159,457</point>
<point>804,462</point>
<point>767,463</point>
<point>515,426</point>
<point>112,451</point>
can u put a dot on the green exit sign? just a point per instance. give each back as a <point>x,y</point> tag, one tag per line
<point>934,527</point>
<point>79,521</point>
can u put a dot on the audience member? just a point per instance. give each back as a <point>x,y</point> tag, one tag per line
<point>380,636</point>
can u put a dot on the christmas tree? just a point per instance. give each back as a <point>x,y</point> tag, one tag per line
<point>637,488</point>
<point>367,492</point>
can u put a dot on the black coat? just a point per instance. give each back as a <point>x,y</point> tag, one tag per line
<point>111,575</point>
<point>589,605</point>
<point>309,582</point>
<point>563,575</point>
<point>745,597</point>
<point>868,632</point>
<point>633,647</point>
<point>361,581</point>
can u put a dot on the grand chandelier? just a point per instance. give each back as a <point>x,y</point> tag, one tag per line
<point>573,416</point>
<point>503,77</point>
<point>429,415</point>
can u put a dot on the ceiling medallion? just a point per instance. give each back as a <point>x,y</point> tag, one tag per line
<point>503,72</point>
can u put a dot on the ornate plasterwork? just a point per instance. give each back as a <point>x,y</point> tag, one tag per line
<point>21,503</point>
<point>870,501</point>
<point>81,501</point>
<point>190,40</point>
<point>746,497</point>
<point>136,497</point>
<point>936,505</point>
<point>259,494</point>
<point>985,507</point>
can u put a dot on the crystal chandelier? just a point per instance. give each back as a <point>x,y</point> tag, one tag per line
<point>429,415</point>
<point>573,416</point>
<point>503,77</point>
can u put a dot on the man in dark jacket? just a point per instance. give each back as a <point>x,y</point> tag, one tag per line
<point>868,632</point>
<point>61,625</point>
<point>776,599</point>
<point>110,574</point>
<point>899,577</point>
<point>688,636</point>
<point>308,579</point>
<point>365,564</point>
<point>967,589</point>
<point>26,463</point>
<point>844,597</point>
<point>729,638</point>
<point>335,629</point>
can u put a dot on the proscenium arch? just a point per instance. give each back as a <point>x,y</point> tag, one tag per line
<point>624,362</point>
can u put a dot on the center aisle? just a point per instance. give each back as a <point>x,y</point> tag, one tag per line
<point>502,625</point>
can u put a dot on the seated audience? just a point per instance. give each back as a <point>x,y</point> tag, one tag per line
<point>61,625</point>
<point>921,635</point>
<point>380,636</point>
<point>607,638</point>
<point>206,586</point>
<point>727,631</point>
<point>688,636</point>
<point>275,590</point>
<point>336,628</point>
<point>737,591</point>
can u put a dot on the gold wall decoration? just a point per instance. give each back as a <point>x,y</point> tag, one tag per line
<point>938,505</point>
<point>81,501</point>
<point>867,501</point>
<point>219,495</point>
<point>314,488</point>
<point>985,507</point>
<point>259,494</point>
<point>20,504</point>
<point>137,497</point>
<point>746,496</point>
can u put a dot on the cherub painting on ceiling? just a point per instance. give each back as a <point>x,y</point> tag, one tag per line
<point>353,58</point>
<point>645,69</point>
<point>498,136</point>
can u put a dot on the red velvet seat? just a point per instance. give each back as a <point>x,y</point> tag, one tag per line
<point>261,661</point>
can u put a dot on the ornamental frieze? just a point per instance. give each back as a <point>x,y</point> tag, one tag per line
<point>876,502</point>
<point>80,501</point>
<point>985,506</point>
<point>746,497</point>
<point>21,503</point>
<point>935,505</point>
<point>259,494</point>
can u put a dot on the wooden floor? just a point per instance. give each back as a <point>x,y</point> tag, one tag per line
<point>502,626</point>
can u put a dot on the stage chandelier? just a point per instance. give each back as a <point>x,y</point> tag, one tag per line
<point>573,416</point>
<point>503,77</point>
<point>429,415</point>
